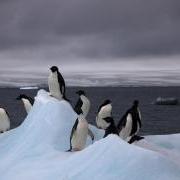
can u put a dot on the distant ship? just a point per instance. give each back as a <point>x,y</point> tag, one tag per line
<point>166,101</point>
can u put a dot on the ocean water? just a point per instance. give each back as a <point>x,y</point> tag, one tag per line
<point>155,119</point>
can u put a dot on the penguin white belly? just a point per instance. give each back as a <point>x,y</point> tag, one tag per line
<point>126,131</point>
<point>79,138</point>
<point>104,112</point>
<point>53,84</point>
<point>27,105</point>
<point>85,106</point>
<point>4,121</point>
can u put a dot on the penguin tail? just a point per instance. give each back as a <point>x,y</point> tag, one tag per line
<point>135,138</point>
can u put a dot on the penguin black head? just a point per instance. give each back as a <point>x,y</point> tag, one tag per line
<point>22,96</point>
<point>80,92</point>
<point>136,103</point>
<point>107,101</point>
<point>54,69</point>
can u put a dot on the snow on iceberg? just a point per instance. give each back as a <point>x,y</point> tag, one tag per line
<point>36,150</point>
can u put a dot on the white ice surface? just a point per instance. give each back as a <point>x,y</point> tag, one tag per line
<point>36,150</point>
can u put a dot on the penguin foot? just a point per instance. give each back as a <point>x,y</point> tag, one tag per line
<point>70,150</point>
<point>135,138</point>
<point>76,149</point>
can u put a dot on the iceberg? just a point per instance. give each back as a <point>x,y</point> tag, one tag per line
<point>28,88</point>
<point>166,101</point>
<point>36,150</point>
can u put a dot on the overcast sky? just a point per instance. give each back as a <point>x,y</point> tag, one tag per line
<point>71,32</point>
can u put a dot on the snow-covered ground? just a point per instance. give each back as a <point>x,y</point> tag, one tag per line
<point>36,150</point>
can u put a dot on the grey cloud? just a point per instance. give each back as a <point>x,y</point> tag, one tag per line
<point>92,28</point>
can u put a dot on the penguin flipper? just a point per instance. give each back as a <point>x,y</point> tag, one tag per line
<point>122,121</point>
<point>78,106</point>
<point>62,86</point>
<point>31,100</point>
<point>107,132</point>
<point>90,133</point>
<point>72,132</point>
<point>61,83</point>
<point>108,119</point>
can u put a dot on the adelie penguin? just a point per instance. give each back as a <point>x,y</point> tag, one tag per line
<point>79,134</point>
<point>27,102</point>
<point>130,124</point>
<point>83,104</point>
<point>111,129</point>
<point>4,120</point>
<point>56,84</point>
<point>104,111</point>
<point>82,107</point>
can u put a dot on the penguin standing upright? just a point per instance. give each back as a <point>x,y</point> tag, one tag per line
<point>4,120</point>
<point>83,104</point>
<point>104,111</point>
<point>27,102</point>
<point>111,129</point>
<point>82,107</point>
<point>56,84</point>
<point>130,123</point>
<point>79,134</point>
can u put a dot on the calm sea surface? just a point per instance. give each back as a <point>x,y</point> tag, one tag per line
<point>156,119</point>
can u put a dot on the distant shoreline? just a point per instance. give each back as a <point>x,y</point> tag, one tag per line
<point>130,86</point>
